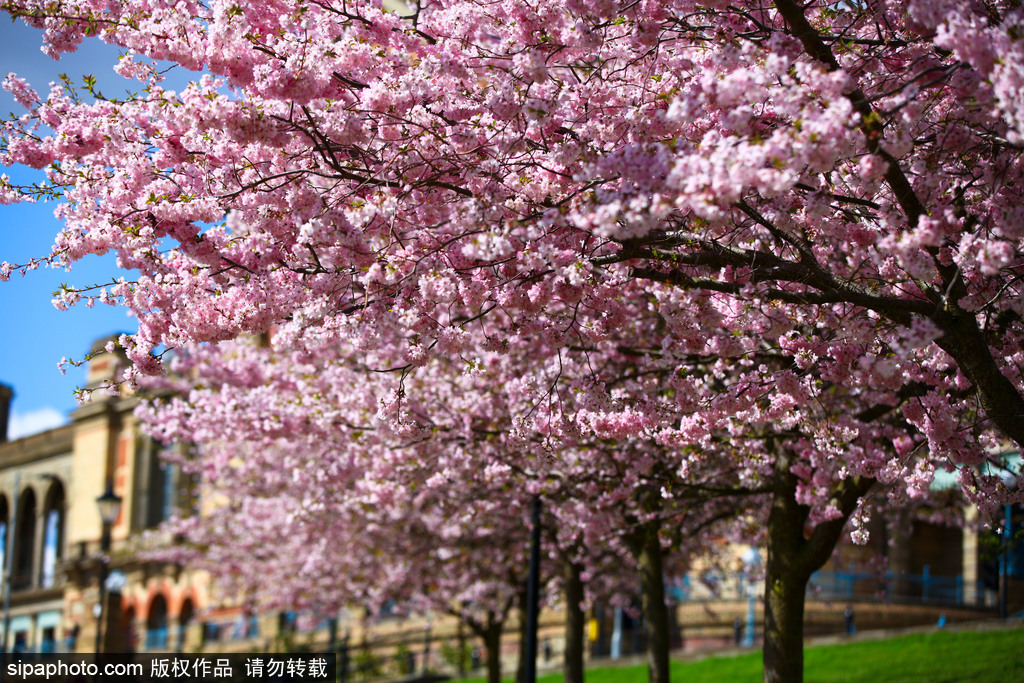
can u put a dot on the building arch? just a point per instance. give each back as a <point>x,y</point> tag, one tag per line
<point>156,623</point>
<point>148,593</point>
<point>5,516</point>
<point>53,520</point>
<point>24,541</point>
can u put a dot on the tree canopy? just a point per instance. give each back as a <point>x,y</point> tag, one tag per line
<point>779,243</point>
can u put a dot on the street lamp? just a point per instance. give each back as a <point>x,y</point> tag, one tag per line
<point>109,504</point>
<point>533,594</point>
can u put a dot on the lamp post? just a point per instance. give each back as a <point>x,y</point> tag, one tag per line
<point>109,504</point>
<point>533,594</point>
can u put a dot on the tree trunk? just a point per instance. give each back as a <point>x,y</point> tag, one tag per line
<point>492,642</point>
<point>792,558</point>
<point>655,611</point>
<point>784,593</point>
<point>575,622</point>
<point>784,626</point>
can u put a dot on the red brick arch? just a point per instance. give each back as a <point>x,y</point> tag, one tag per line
<point>185,593</point>
<point>163,588</point>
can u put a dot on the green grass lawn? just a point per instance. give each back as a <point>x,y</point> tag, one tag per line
<point>937,657</point>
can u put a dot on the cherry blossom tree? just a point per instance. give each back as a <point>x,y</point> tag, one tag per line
<point>347,496</point>
<point>405,513</point>
<point>610,491</point>
<point>818,206</point>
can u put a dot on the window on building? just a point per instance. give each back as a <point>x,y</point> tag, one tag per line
<point>156,625</point>
<point>253,627</point>
<point>24,541</point>
<point>162,488</point>
<point>211,632</point>
<point>3,535</point>
<point>53,538</point>
<point>49,640</point>
<point>168,496</point>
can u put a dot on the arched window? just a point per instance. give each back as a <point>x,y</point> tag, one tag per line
<point>24,541</point>
<point>4,516</point>
<point>53,534</point>
<point>156,624</point>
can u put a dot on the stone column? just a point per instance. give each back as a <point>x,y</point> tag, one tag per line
<point>969,569</point>
<point>174,635</point>
<point>38,542</point>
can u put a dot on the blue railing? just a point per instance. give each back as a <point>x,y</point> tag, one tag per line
<point>926,587</point>
<point>156,638</point>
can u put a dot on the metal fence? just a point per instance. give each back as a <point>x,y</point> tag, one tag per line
<point>923,587</point>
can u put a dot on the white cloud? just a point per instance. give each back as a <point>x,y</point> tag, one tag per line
<point>33,422</point>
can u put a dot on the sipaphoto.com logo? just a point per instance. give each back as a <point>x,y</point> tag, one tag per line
<point>59,669</point>
<point>162,667</point>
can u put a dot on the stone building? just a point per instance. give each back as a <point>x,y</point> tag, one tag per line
<point>49,485</point>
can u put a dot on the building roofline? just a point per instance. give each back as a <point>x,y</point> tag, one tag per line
<point>34,447</point>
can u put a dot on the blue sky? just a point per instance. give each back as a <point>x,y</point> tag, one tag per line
<point>36,335</point>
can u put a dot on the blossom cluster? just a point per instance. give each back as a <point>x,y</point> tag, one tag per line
<point>622,248</point>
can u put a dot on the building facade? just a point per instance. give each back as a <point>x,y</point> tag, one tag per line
<point>50,530</point>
